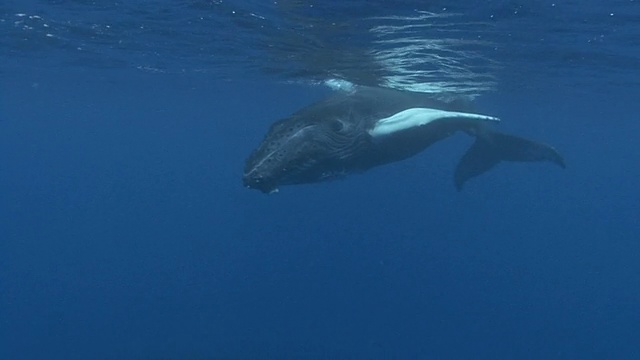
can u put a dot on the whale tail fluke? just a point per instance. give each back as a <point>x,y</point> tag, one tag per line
<point>492,147</point>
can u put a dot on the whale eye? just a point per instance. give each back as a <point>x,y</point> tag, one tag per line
<point>337,125</point>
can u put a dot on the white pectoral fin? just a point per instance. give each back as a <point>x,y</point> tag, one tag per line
<point>416,117</point>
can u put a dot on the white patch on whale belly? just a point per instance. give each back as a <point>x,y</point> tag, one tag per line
<point>415,117</point>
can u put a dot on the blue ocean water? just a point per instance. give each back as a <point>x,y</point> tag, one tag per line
<point>125,232</point>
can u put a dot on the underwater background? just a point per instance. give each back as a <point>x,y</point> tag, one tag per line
<point>125,232</point>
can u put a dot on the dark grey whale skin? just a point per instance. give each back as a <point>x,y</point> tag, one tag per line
<point>331,139</point>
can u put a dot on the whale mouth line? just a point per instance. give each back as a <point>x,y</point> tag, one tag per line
<point>259,183</point>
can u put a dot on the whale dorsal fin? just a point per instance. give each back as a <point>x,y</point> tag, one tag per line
<point>415,117</point>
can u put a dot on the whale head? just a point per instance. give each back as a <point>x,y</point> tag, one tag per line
<point>303,149</point>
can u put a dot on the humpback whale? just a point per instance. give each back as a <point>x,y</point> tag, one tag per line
<point>353,131</point>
